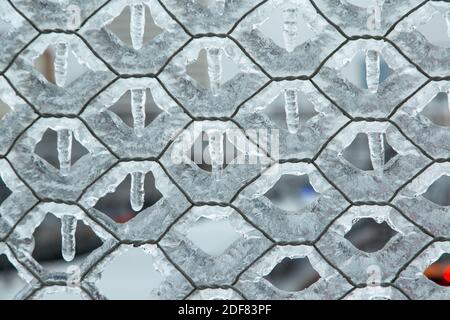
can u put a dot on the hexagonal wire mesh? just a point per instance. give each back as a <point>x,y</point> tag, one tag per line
<point>225,149</point>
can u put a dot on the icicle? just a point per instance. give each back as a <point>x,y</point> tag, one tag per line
<point>60,63</point>
<point>220,5</point>
<point>447,19</point>
<point>448,99</point>
<point>291,110</point>
<point>137,193</point>
<point>372,70</point>
<point>68,228</point>
<point>137,25</point>
<point>214,57</point>
<point>376,147</point>
<point>138,98</point>
<point>64,148</point>
<point>215,143</point>
<point>290,28</point>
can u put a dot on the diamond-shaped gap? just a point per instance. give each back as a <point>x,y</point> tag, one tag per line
<point>293,275</point>
<point>212,236</point>
<point>358,152</point>
<point>435,30</point>
<point>438,192</point>
<point>369,235</point>
<point>122,108</point>
<point>120,26</point>
<point>48,241</point>
<point>198,69</point>
<point>292,192</point>
<point>439,271</point>
<point>199,152</point>
<point>438,110</point>
<point>10,282</point>
<point>277,113</point>
<point>46,148</point>
<point>5,192</point>
<point>125,280</point>
<point>116,204</point>
<point>272,27</point>
<point>355,70</point>
<point>45,65</point>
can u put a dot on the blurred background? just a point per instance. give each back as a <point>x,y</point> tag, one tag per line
<point>290,192</point>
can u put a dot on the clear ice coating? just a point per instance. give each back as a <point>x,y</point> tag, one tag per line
<point>336,114</point>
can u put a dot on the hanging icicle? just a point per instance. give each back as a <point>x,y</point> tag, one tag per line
<point>214,57</point>
<point>215,143</point>
<point>447,19</point>
<point>64,148</point>
<point>291,110</point>
<point>138,98</point>
<point>290,28</point>
<point>376,147</point>
<point>373,70</point>
<point>137,25</point>
<point>137,192</point>
<point>68,229</point>
<point>60,63</point>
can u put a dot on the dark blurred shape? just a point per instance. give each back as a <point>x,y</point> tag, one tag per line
<point>4,192</point>
<point>438,111</point>
<point>48,239</point>
<point>293,274</point>
<point>4,263</point>
<point>370,236</point>
<point>439,271</point>
<point>292,192</point>
<point>438,192</point>
<point>44,64</point>
<point>116,205</point>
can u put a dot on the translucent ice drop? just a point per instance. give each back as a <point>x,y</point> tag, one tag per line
<point>68,229</point>
<point>60,63</point>
<point>376,147</point>
<point>64,148</point>
<point>291,110</point>
<point>447,19</point>
<point>220,5</point>
<point>138,98</point>
<point>448,99</point>
<point>137,25</point>
<point>214,57</point>
<point>290,28</point>
<point>215,143</point>
<point>137,193</point>
<point>372,70</point>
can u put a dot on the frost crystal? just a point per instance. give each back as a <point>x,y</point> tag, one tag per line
<point>226,149</point>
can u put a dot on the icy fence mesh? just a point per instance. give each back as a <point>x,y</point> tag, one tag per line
<point>228,70</point>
